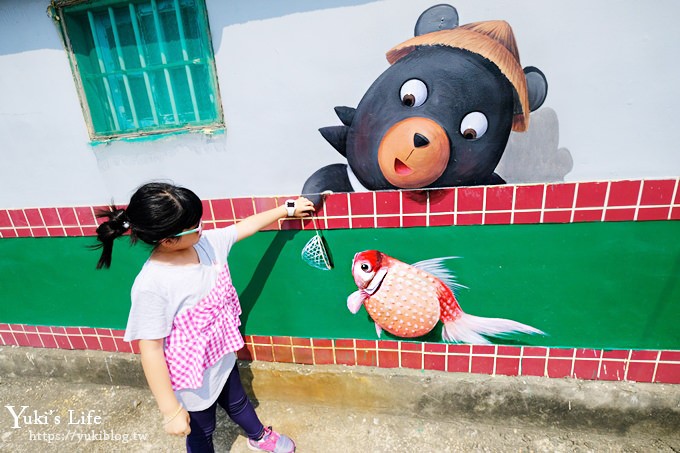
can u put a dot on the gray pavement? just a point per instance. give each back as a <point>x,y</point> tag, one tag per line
<point>98,402</point>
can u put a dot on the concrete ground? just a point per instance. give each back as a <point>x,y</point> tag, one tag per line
<point>88,401</point>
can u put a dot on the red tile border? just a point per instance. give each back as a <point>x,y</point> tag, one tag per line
<point>588,201</point>
<point>651,366</point>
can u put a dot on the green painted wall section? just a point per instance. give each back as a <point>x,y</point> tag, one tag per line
<point>595,285</point>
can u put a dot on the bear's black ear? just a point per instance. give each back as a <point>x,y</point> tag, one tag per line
<point>537,87</point>
<point>346,114</point>
<point>435,18</point>
<point>337,137</point>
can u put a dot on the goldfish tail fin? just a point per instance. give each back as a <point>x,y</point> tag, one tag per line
<point>474,329</point>
<point>435,266</point>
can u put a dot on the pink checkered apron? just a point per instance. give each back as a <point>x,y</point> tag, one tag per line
<point>203,334</point>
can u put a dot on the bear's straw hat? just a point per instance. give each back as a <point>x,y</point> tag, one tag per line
<point>493,40</point>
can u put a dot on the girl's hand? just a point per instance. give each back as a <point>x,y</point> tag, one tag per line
<point>179,425</point>
<point>303,207</point>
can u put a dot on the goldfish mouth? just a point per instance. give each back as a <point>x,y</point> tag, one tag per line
<point>401,168</point>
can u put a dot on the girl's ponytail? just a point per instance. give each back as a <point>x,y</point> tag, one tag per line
<point>116,225</point>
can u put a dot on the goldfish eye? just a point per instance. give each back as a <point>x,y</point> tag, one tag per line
<point>474,125</point>
<point>365,267</point>
<point>413,93</point>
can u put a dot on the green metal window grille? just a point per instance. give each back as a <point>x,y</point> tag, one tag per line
<point>142,66</point>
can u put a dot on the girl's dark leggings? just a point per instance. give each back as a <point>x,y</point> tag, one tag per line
<point>234,400</point>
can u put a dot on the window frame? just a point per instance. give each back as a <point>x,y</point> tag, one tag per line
<point>59,8</point>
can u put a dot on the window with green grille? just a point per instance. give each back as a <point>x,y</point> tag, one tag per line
<point>142,66</point>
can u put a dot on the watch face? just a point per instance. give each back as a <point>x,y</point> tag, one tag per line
<point>290,204</point>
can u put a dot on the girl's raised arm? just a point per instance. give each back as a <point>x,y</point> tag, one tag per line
<point>251,225</point>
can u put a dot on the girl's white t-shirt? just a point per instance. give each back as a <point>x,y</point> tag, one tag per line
<point>161,291</point>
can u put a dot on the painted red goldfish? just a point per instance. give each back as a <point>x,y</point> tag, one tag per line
<point>408,300</point>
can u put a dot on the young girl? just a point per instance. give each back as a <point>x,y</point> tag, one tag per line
<point>185,311</point>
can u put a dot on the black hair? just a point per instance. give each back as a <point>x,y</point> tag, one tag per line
<point>156,211</point>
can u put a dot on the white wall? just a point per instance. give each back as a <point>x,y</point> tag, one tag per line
<point>611,66</point>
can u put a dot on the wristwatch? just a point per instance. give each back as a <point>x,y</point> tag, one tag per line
<point>290,208</point>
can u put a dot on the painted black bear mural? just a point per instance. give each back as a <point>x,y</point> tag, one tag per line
<point>439,116</point>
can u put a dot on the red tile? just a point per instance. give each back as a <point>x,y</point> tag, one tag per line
<point>68,216</point>
<point>458,364</point>
<point>442,200</point>
<point>459,349</point>
<point>675,214</point>
<point>62,342</point>
<point>367,357</point>
<point>388,359</point>
<point>591,194</point>
<point>529,197</point>
<point>366,344</point>
<point>336,224</point>
<point>409,221</point>
<point>559,367</point>
<point>620,215</point>
<point>532,366</point>
<point>507,366</point>
<point>557,217</point>
<point>55,232</point>
<point>535,351</point>
<point>512,351</point>
<point>108,344</point>
<point>92,342</point>
<point>322,343</point>
<point>588,215</point>
<point>470,199</point>
<point>559,196</point>
<point>412,360</point>
<point>387,202</point>
<point>481,365</point>
<point>363,222</point>
<point>529,217</point>
<point>624,193</point>
<point>435,347</point>
<point>323,356</point>
<point>33,217</point>
<point>135,346</point>
<point>640,371</point>
<point>22,339</point>
<point>668,373</point>
<point>657,192</point>
<point>283,354</point>
<point>243,207</point>
<point>261,339</point>
<point>499,198</point>
<point>42,232</point>
<point>469,219</point>
<point>30,328</point>
<point>123,346</point>
<point>414,202</point>
<point>5,222</point>
<point>434,362</point>
<point>484,349</point>
<point>612,370</point>
<point>285,341</point>
<point>361,203</point>
<point>303,355</point>
<point>408,346</point>
<point>18,218</point>
<point>222,209</point>
<point>649,356</point>
<point>586,369</point>
<point>619,354</point>
<point>8,339</point>
<point>291,224</point>
<point>9,234</point>
<point>336,205</point>
<point>497,218</point>
<point>23,232</point>
<point>388,344</point>
<point>588,354</point>
<point>88,331</point>
<point>301,341</point>
<point>345,357</point>
<point>670,356</point>
<point>441,219</point>
<point>85,216</point>
<point>264,353</point>
<point>652,213</point>
<point>77,341</point>
<point>558,352</point>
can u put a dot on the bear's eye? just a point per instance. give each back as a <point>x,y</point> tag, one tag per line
<point>413,93</point>
<point>474,125</point>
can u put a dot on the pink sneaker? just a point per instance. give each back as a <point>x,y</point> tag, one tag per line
<point>272,442</point>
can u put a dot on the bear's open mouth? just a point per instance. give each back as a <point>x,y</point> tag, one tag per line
<point>401,168</point>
